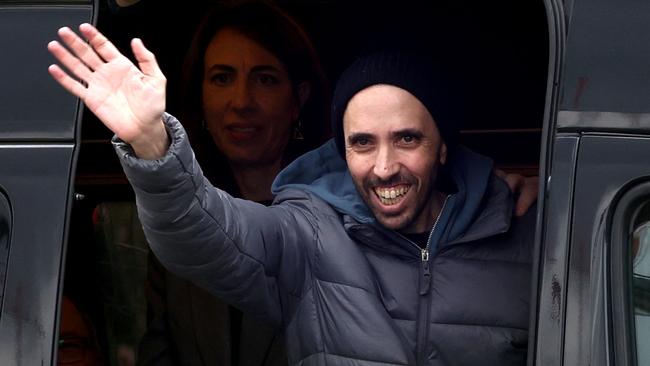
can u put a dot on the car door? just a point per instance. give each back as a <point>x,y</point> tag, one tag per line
<point>590,303</point>
<point>38,134</point>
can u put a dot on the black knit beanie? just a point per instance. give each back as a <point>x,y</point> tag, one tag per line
<point>407,68</point>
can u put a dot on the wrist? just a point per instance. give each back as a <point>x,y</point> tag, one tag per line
<point>153,144</point>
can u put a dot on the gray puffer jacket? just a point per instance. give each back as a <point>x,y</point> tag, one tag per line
<point>346,290</point>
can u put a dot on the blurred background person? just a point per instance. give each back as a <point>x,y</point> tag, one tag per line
<point>77,338</point>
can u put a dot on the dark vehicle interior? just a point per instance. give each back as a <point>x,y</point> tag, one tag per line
<point>501,53</point>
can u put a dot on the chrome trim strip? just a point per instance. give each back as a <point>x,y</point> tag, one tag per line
<point>602,120</point>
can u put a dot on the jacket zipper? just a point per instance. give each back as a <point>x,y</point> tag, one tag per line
<point>425,299</point>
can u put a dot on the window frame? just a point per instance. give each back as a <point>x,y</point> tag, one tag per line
<point>620,277</point>
<point>6,214</point>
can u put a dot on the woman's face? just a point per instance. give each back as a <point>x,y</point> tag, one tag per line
<point>248,99</point>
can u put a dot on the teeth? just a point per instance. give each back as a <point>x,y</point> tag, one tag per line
<point>390,196</point>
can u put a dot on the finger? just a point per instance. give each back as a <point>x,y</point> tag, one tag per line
<point>500,173</point>
<point>523,203</point>
<point>71,62</point>
<point>104,48</point>
<point>146,59</point>
<point>527,195</point>
<point>80,48</point>
<point>71,85</point>
<point>514,181</point>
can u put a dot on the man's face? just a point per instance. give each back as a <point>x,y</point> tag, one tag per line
<point>393,150</point>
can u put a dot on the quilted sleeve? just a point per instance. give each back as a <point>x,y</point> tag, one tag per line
<point>252,256</point>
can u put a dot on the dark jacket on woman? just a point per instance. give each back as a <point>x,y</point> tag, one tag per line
<point>189,326</point>
<point>346,290</point>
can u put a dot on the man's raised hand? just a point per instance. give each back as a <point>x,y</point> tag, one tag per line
<point>129,100</point>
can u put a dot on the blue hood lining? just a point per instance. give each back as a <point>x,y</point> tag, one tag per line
<point>325,174</point>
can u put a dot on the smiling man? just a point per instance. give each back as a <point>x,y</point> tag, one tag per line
<point>389,245</point>
<point>394,151</point>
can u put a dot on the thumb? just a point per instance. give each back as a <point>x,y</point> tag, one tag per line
<point>146,59</point>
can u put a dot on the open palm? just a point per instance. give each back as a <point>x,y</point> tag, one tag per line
<point>129,100</point>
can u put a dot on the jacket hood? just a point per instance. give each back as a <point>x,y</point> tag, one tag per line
<point>324,173</point>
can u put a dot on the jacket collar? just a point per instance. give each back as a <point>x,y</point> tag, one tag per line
<point>493,218</point>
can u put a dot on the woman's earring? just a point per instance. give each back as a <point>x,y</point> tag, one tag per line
<point>297,131</point>
<point>204,125</point>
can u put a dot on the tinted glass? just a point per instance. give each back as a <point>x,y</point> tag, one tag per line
<point>32,105</point>
<point>641,283</point>
<point>608,57</point>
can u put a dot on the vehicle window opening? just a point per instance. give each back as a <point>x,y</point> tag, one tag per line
<point>503,49</point>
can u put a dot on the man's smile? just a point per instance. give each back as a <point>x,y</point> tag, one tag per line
<point>391,195</point>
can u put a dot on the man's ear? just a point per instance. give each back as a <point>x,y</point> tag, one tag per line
<point>303,91</point>
<point>443,154</point>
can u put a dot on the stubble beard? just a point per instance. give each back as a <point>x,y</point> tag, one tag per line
<point>409,214</point>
